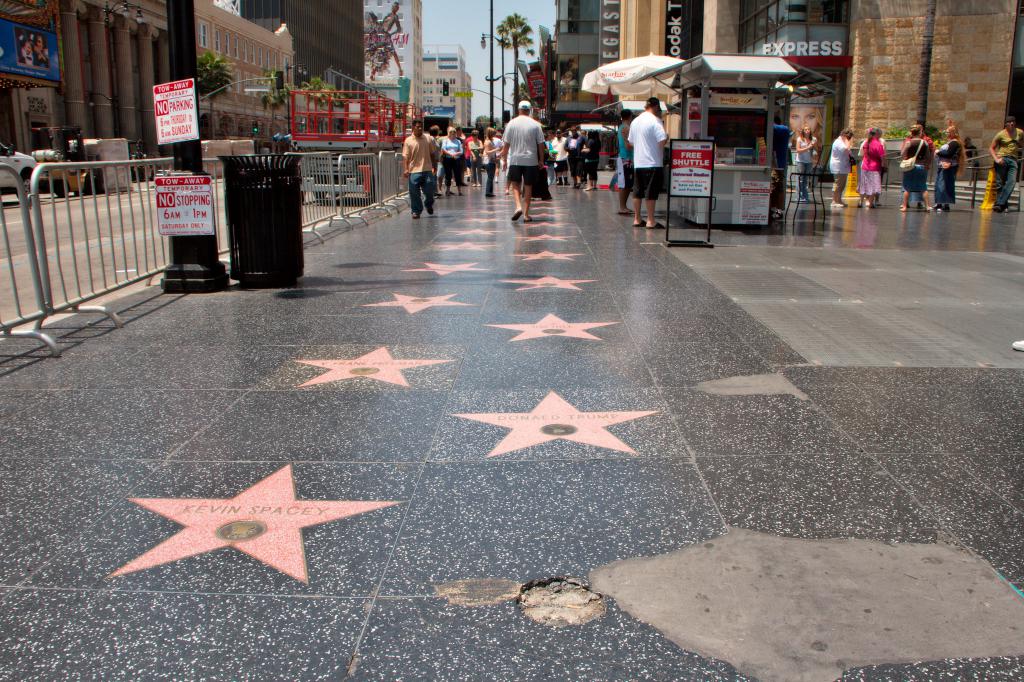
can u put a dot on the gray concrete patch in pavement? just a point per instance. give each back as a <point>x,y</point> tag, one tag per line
<point>756,384</point>
<point>794,610</point>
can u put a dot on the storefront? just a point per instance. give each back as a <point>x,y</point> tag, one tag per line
<point>812,35</point>
<point>30,71</point>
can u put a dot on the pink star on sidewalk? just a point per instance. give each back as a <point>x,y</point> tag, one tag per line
<point>552,419</point>
<point>464,246</point>
<point>548,282</point>
<point>547,238</point>
<point>377,365</point>
<point>466,233</point>
<point>264,521</point>
<point>446,269</point>
<point>414,304</point>
<point>552,325</point>
<point>547,255</point>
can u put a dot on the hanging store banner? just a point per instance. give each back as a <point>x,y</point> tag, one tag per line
<point>677,29</point>
<point>609,31</point>
<point>29,52</point>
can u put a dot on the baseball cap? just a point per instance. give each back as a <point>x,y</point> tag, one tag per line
<point>525,105</point>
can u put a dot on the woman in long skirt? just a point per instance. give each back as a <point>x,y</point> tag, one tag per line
<point>952,158</point>
<point>915,180</point>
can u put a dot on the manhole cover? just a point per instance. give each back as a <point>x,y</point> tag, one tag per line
<point>363,371</point>
<point>560,601</point>
<point>558,429</point>
<point>553,331</point>
<point>237,531</point>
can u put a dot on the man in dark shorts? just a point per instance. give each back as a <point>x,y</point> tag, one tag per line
<point>524,149</point>
<point>647,137</point>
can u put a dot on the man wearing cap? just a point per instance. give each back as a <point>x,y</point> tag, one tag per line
<point>647,136</point>
<point>524,150</point>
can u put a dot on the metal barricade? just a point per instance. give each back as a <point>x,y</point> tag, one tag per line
<point>94,243</point>
<point>23,296</point>
<point>393,194</point>
<point>357,186</point>
<point>215,167</point>
<point>319,190</point>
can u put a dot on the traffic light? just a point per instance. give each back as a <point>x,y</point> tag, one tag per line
<point>255,127</point>
<point>279,80</point>
<point>445,89</point>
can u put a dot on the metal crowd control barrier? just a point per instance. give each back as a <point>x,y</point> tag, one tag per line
<point>23,296</point>
<point>94,243</point>
<point>319,190</point>
<point>88,229</point>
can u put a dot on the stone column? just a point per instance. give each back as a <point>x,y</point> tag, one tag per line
<point>75,110</point>
<point>125,82</point>
<point>163,59</point>
<point>146,36</point>
<point>99,57</point>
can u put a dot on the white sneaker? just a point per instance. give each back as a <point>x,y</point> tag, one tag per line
<point>1018,345</point>
<point>835,205</point>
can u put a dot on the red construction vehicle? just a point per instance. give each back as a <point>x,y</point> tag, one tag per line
<point>348,120</point>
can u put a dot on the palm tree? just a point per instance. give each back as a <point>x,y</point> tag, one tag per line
<point>273,98</point>
<point>320,85</point>
<point>214,72</point>
<point>924,77</point>
<point>515,31</point>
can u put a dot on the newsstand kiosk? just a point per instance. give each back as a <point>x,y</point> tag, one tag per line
<point>730,100</point>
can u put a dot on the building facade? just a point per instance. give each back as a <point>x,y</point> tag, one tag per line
<point>254,52</point>
<point>446,65</point>
<point>393,45</point>
<point>109,62</point>
<point>327,33</point>
<point>578,45</point>
<point>868,51</point>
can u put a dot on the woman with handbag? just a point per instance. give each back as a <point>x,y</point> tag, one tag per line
<point>869,179</point>
<point>916,158</point>
<point>952,158</point>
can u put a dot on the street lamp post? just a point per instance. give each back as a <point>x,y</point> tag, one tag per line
<point>194,266</point>
<point>492,62</point>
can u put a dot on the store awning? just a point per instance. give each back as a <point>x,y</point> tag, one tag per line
<point>629,77</point>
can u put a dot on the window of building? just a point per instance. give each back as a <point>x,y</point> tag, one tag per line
<point>203,35</point>
<point>259,51</point>
<point>765,21</point>
<point>216,41</point>
<point>236,47</point>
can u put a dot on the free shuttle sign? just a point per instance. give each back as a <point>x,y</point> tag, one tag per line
<point>176,110</point>
<point>184,205</point>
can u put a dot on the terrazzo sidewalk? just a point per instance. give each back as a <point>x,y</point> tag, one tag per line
<point>287,484</point>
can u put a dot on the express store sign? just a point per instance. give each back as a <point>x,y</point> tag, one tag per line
<point>804,48</point>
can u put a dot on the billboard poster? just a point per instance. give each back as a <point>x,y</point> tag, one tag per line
<point>810,112</point>
<point>439,111</point>
<point>387,42</point>
<point>693,163</point>
<point>29,51</point>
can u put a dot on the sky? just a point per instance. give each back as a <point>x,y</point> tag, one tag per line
<point>448,21</point>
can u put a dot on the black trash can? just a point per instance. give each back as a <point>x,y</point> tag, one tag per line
<point>263,193</point>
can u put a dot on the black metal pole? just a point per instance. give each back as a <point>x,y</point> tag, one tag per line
<point>503,83</point>
<point>491,74</point>
<point>194,266</point>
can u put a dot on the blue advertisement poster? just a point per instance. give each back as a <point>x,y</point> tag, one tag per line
<point>28,51</point>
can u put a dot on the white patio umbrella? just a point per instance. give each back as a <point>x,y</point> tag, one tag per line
<point>628,78</point>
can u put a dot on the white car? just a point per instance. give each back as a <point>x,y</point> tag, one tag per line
<point>23,163</point>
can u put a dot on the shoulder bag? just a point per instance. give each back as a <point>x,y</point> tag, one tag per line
<point>908,164</point>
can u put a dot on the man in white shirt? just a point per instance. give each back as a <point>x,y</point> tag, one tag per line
<point>524,149</point>
<point>647,138</point>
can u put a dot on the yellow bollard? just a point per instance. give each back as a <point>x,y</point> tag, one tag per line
<point>851,184</point>
<point>990,191</point>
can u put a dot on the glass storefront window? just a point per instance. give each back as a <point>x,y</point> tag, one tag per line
<point>760,19</point>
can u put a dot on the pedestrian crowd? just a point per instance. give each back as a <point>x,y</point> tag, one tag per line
<point>440,163</point>
<point>918,155</point>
